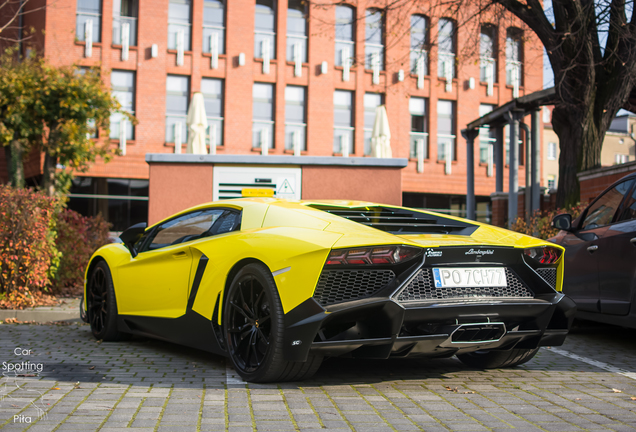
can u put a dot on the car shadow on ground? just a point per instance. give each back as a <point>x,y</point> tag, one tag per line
<point>180,366</point>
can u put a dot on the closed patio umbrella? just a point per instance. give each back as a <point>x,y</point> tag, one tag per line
<point>198,124</point>
<point>381,135</point>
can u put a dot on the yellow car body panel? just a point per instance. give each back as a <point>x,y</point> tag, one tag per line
<point>280,234</point>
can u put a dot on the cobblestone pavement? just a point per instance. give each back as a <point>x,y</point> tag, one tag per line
<point>154,386</point>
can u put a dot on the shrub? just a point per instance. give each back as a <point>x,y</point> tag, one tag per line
<point>540,222</point>
<point>28,256</point>
<point>78,237</point>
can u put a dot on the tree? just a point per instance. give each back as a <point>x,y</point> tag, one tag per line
<point>591,46</point>
<point>593,80</point>
<point>72,106</point>
<point>55,109</point>
<point>19,128</point>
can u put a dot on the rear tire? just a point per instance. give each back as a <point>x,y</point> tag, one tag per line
<point>254,330</point>
<point>497,359</point>
<point>102,304</point>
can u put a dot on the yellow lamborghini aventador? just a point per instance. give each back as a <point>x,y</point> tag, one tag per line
<point>279,285</point>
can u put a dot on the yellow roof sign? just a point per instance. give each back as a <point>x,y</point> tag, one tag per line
<point>257,192</point>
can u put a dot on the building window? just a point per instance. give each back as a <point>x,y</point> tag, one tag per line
<point>445,129</point>
<point>371,102</point>
<point>296,29</point>
<point>419,26</point>
<point>419,126</point>
<point>551,182</point>
<point>263,115</point>
<point>342,121</point>
<point>88,10</point>
<point>621,158</point>
<point>487,136</point>
<point>213,23</point>
<point>177,98</point>
<point>265,28</point>
<point>345,34</point>
<point>212,91</point>
<point>514,58</point>
<point>295,117</point>
<point>552,151</point>
<point>122,202</point>
<point>488,53</point>
<point>122,84</point>
<point>374,38</point>
<point>179,21</point>
<point>125,12</point>
<point>446,48</point>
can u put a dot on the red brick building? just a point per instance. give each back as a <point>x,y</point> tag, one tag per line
<point>290,73</point>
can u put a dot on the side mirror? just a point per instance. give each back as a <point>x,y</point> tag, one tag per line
<point>562,222</point>
<point>132,235</point>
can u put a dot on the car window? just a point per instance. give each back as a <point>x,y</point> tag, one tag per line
<point>628,210</point>
<point>602,211</point>
<point>193,226</point>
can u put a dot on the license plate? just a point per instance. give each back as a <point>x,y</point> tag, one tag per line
<point>459,277</point>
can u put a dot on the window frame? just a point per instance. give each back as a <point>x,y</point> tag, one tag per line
<point>514,34</point>
<point>370,48</point>
<point>617,210</point>
<point>133,20</point>
<point>351,43</point>
<point>97,35</point>
<point>448,54</point>
<point>146,239</point>
<point>414,136</point>
<point>272,122</point>
<point>483,60</point>
<point>452,136</point>
<point>289,55</point>
<point>217,119</point>
<point>349,129</point>
<point>303,125</point>
<point>220,29</point>
<point>187,39</point>
<point>414,53</point>
<point>184,138</point>
<point>272,33</point>
<point>369,130</point>
<point>133,99</point>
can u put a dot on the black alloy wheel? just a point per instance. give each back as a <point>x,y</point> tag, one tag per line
<point>250,325</point>
<point>101,307</point>
<point>97,300</point>
<point>253,324</point>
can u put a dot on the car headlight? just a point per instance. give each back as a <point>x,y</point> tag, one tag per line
<point>544,255</point>
<point>372,255</point>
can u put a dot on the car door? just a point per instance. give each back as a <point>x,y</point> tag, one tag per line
<point>156,282</point>
<point>617,258</point>
<point>581,281</point>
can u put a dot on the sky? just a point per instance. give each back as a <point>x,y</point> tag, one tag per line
<point>548,76</point>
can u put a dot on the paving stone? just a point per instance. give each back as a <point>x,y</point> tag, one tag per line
<point>135,383</point>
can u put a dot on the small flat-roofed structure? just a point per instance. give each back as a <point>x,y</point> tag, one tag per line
<point>510,114</point>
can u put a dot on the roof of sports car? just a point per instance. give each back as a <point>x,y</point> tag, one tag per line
<point>362,218</point>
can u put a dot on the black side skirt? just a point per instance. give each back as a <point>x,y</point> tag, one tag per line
<point>190,329</point>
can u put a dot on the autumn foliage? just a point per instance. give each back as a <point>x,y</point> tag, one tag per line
<point>540,223</point>
<point>28,256</point>
<point>78,237</point>
<point>44,248</point>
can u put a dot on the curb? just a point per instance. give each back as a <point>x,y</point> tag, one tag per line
<point>39,316</point>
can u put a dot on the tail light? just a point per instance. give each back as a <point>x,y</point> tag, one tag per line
<point>545,255</point>
<point>372,255</point>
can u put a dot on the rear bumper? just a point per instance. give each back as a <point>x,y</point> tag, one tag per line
<point>381,327</point>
